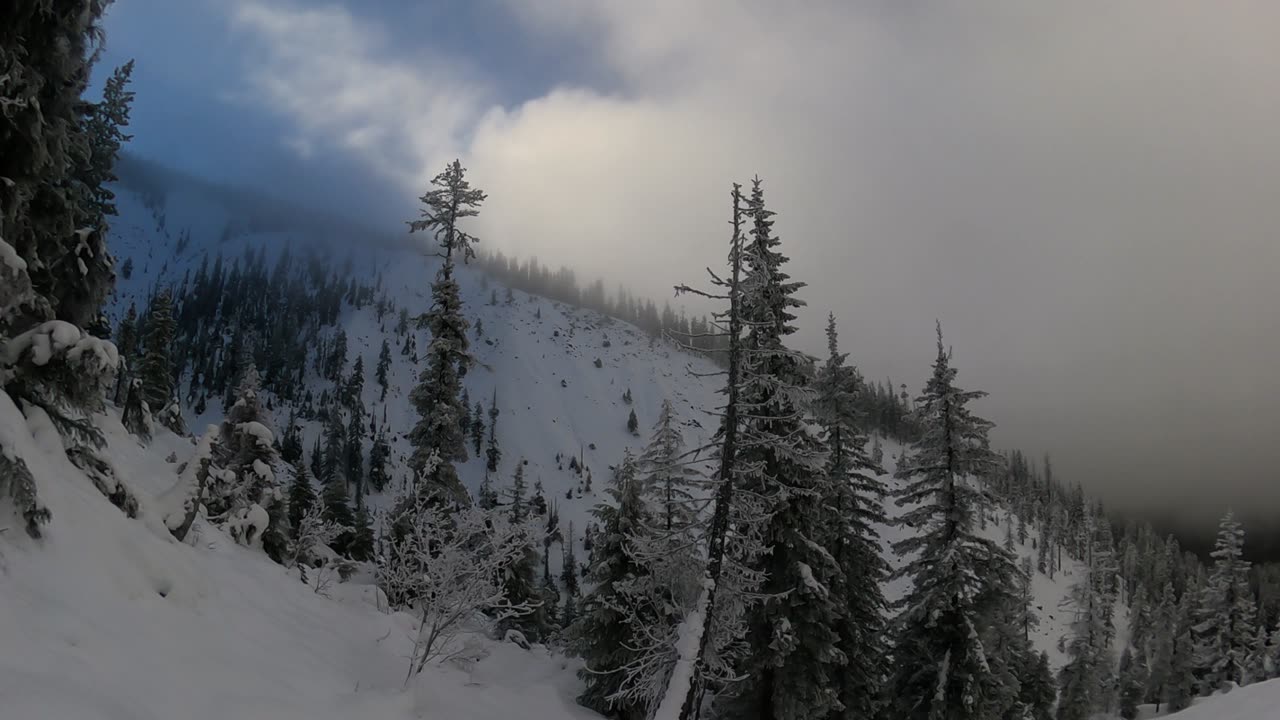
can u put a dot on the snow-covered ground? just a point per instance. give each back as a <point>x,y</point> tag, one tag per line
<point>109,617</point>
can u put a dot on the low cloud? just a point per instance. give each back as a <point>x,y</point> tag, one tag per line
<point>1082,192</point>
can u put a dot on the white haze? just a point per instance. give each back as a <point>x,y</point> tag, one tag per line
<point>1083,192</point>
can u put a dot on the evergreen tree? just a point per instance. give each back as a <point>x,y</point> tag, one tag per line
<point>603,636</point>
<point>437,396</point>
<point>379,453</point>
<point>104,123</point>
<point>569,579</point>
<point>127,347</point>
<point>384,364</point>
<point>246,450</point>
<point>1087,678</point>
<point>337,509</point>
<point>939,666</point>
<point>487,498</point>
<point>362,540</point>
<point>493,455</point>
<point>1180,686</point>
<point>855,496</point>
<point>633,424</point>
<point>156,369</point>
<point>516,507</point>
<point>48,214</point>
<point>354,388</point>
<point>355,455</point>
<point>1227,612</point>
<point>793,655</point>
<point>302,496</point>
<point>477,429</point>
<point>1133,679</point>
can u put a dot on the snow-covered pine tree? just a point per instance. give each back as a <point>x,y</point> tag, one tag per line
<point>255,504</point>
<point>1162,630</point>
<point>54,263</point>
<point>355,455</point>
<point>379,454</point>
<point>477,429</point>
<point>156,368</point>
<point>856,497</point>
<point>127,348</point>
<point>517,508</point>
<point>384,364</point>
<point>302,497</point>
<point>712,638</point>
<point>104,123</point>
<point>492,453</point>
<point>605,633</point>
<point>940,668</point>
<point>437,396</point>
<point>1087,680</point>
<point>792,659</point>
<point>487,497</point>
<point>633,424</point>
<point>569,580</point>
<point>1226,616</point>
<point>1180,687</point>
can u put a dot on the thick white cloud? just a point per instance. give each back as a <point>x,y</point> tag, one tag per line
<point>1083,191</point>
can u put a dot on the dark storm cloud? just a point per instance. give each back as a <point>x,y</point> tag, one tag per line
<point>1082,192</point>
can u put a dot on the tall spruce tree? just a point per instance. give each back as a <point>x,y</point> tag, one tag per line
<point>940,669</point>
<point>492,453</point>
<point>604,635</point>
<point>156,369</point>
<point>793,658</point>
<point>246,449</point>
<point>1227,612</point>
<point>856,497</point>
<point>437,397</point>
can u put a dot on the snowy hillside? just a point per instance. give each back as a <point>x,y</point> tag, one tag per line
<point>538,356</point>
<point>110,617</point>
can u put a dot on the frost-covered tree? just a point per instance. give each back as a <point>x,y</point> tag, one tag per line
<point>492,453</point>
<point>1087,680</point>
<point>712,638</point>
<point>302,497</point>
<point>311,531</point>
<point>1227,613</point>
<point>384,364</point>
<point>156,368</point>
<point>437,397</point>
<point>1180,687</point>
<point>605,634</point>
<point>447,565</point>
<point>54,264</point>
<point>517,507</point>
<point>940,667</point>
<point>254,503</point>
<point>855,495</point>
<point>792,658</point>
<point>104,125</point>
<point>379,455</point>
<point>477,429</point>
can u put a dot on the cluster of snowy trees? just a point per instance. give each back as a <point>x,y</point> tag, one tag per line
<point>57,151</point>
<point>562,285</point>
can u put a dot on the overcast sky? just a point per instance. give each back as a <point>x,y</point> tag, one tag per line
<point>1085,193</point>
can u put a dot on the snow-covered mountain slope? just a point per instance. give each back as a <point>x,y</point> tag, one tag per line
<point>1260,701</point>
<point>109,617</point>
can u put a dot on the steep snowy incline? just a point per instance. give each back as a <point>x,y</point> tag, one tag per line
<point>539,356</point>
<point>109,618</point>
